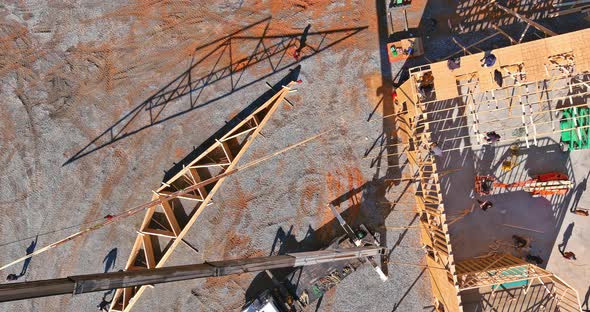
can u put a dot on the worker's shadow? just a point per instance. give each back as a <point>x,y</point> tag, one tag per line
<point>104,304</point>
<point>566,237</point>
<point>303,39</point>
<point>109,264</point>
<point>578,191</point>
<point>26,263</point>
<point>110,260</point>
<point>484,163</point>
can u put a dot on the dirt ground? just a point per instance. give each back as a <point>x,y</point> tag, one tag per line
<point>84,135</point>
<point>95,112</point>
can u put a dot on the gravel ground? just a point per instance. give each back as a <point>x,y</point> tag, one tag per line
<point>69,73</point>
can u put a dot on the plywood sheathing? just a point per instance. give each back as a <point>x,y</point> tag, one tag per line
<point>580,47</point>
<point>533,54</point>
<point>442,290</point>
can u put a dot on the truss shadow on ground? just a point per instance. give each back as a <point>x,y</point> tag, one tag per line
<point>275,51</point>
<point>293,75</point>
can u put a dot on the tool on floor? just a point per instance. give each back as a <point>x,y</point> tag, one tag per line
<point>553,183</point>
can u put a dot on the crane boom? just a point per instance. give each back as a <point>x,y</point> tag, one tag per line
<point>80,284</point>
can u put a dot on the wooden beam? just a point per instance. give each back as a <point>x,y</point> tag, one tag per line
<point>542,28</point>
<point>195,175</point>
<point>524,32</point>
<point>470,46</point>
<point>557,5</point>
<point>498,29</point>
<point>569,11</point>
<point>460,45</point>
<point>148,250</point>
<point>158,232</point>
<point>169,212</point>
<point>522,228</point>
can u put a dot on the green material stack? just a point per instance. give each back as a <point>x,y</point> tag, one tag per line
<point>519,273</point>
<point>574,139</point>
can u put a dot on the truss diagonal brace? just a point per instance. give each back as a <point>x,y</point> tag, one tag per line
<point>538,26</point>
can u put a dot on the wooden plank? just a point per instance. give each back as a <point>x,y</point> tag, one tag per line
<point>127,292</point>
<point>158,232</point>
<point>542,28</point>
<point>498,29</point>
<point>134,251</point>
<point>557,5</point>
<point>148,218</point>
<point>117,301</point>
<point>581,48</point>
<point>442,289</point>
<point>169,212</point>
<point>148,250</point>
<point>148,215</point>
<point>227,150</point>
<point>195,175</point>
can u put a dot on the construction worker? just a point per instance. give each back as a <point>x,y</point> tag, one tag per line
<point>519,242</point>
<point>304,298</point>
<point>569,255</point>
<point>534,259</point>
<point>426,84</point>
<point>11,277</point>
<point>434,149</point>
<point>485,205</point>
<point>454,63</point>
<point>488,60</point>
<point>492,137</point>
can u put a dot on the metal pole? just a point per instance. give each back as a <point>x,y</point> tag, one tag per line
<point>80,284</point>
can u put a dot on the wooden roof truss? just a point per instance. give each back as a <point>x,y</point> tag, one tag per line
<point>497,269</point>
<point>163,227</point>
